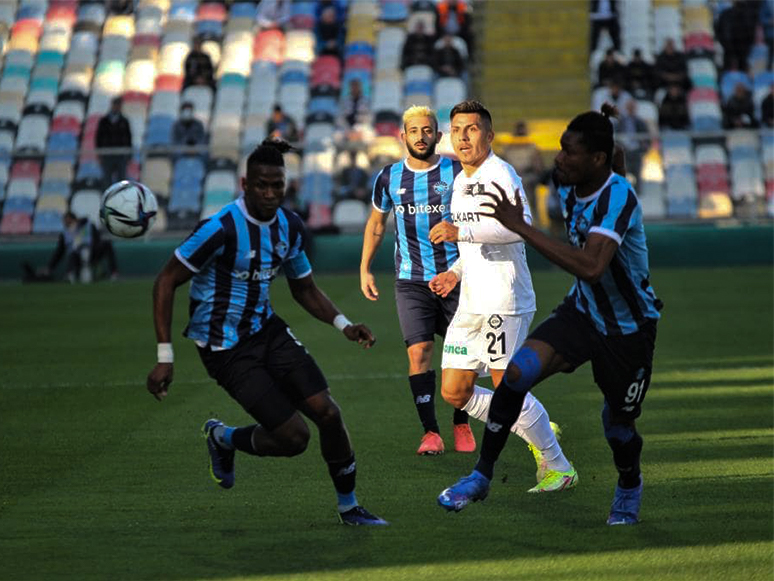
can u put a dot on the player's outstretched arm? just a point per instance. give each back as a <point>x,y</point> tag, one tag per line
<point>171,276</point>
<point>372,239</point>
<point>307,294</point>
<point>587,263</point>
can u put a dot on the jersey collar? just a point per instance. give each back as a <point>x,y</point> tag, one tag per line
<point>595,195</point>
<point>242,208</point>
<point>477,174</point>
<point>432,167</point>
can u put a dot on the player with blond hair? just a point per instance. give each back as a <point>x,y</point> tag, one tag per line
<point>418,191</point>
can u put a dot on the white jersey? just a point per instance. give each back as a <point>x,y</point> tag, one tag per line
<point>492,266</point>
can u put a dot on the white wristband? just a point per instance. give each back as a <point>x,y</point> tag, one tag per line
<point>340,321</point>
<point>164,353</point>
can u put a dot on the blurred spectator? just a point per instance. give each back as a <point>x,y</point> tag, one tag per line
<point>454,19</point>
<point>447,60</point>
<point>604,16</point>
<point>639,77</point>
<point>418,48</point>
<point>735,31</point>
<point>767,110</point>
<point>632,133</point>
<point>673,112</point>
<point>188,130</point>
<point>198,67</point>
<point>615,94</point>
<point>120,6</point>
<point>739,110</point>
<point>355,109</point>
<point>355,113</point>
<point>329,32</point>
<point>610,70</point>
<point>273,13</point>
<point>113,130</point>
<point>767,27</point>
<point>282,126</point>
<point>671,66</point>
<point>82,247</point>
<point>524,155</point>
<point>354,121</point>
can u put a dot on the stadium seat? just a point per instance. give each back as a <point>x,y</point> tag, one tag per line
<point>22,188</point>
<point>667,23</point>
<point>47,222</point>
<point>167,82</point>
<point>26,169</point>
<point>85,203</point>
<point>56,171</point>
<point>350,216</point>
<point>159,130</point>
<point>201,98</point>
<point>62,147</point>
<point>682,196</point>
<point>243,10</point>
<point>269,45</point>
<point>21,204</point>
<point>157,174</point>
<point>394,11</point>
<point>15,223</point>
<point>33,130</point>
<point>702,73</point>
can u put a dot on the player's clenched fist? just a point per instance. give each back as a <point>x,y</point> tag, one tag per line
<point>159,379</point>
<point>360,333</point>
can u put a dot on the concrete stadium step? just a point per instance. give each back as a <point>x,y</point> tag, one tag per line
<point>533,59</point>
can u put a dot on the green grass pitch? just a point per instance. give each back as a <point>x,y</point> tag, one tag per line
<point>100,481</point>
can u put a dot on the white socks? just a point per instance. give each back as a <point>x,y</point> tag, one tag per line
<point>533,425</point>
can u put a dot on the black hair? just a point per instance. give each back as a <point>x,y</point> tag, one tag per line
<point>269,152</point>
<point>596,130</point>
<point>472,106</point>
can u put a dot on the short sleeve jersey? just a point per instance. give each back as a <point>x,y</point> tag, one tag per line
<point>623,299</point>
<point>420,199</point>
<point>235,258</point>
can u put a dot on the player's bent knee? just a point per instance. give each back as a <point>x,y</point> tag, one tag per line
<point>456,396</point>
<point>523,370</point>
<point>297,443</point>
<point>330,416</point>
<point>617,430</point>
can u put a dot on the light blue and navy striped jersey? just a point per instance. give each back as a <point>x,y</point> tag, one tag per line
<point>235,258</point>
<point>623,299</point>
<point>420,200</point>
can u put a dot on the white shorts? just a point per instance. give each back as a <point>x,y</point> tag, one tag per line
<point>483,342</point>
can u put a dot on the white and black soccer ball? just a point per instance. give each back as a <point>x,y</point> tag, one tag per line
<point>128,209</point>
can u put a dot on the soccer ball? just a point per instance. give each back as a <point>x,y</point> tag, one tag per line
<point>128,209</point>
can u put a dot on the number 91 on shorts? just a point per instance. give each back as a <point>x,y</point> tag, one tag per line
<point>483,342</point>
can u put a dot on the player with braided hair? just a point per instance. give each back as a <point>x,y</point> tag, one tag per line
<point>231,259</point>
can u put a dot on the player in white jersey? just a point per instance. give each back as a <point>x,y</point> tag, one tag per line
<point>497,301</point>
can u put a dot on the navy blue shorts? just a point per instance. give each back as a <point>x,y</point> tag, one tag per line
<point>622,364</point>
<point>269,374</point>
<point>422,313</point>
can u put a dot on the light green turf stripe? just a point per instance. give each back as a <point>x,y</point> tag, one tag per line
<point>735,373</point>
<point>656,392</point>
<point>714,435</point>
<point>749,561</point>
